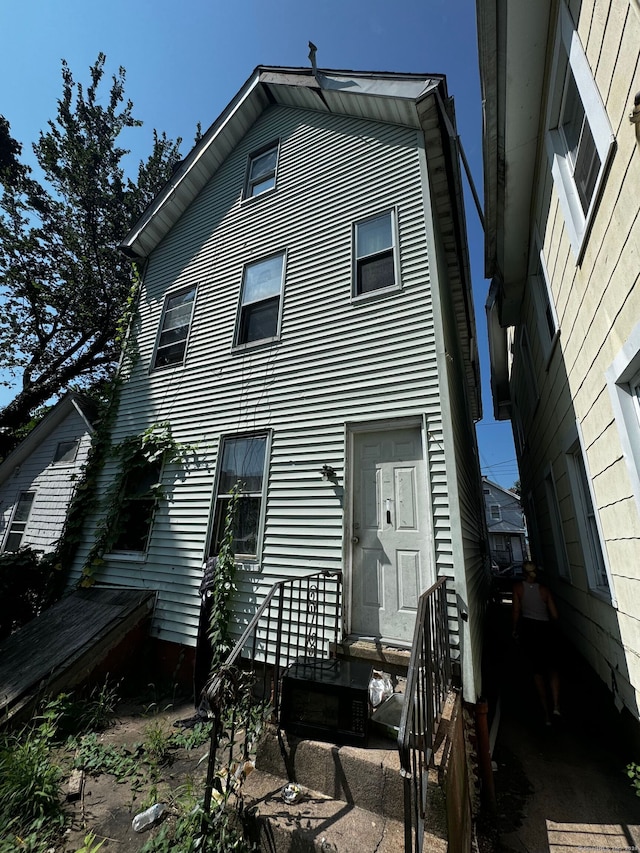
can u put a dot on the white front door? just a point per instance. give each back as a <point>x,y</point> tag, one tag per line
<point>390,562</point>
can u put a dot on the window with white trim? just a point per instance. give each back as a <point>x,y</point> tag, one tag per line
<point>66,452</point>
<point>261,171</point>
<point>243,461</point>
<point>559,557</point>
<point>579,137</point>
<point>260,301</point>
<point>623,381</point>
<point>527,386</point>
<point>135,518</point>
<point>495,513</point>
<point>547,319</point>
<point>375,255</point>
<point>174,328</point>
<point>587,522</point>
<point>19,522</point>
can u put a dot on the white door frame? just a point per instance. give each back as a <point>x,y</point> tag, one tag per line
<point>351,429</point>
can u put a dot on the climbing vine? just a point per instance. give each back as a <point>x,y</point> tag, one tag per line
<point>223,586</point>
<point>138,456</point>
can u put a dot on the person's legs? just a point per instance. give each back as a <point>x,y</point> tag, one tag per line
<point>554,679</point>
<point>541,687</point>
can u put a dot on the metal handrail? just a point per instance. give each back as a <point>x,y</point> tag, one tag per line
<point>429,678</point>
<point>298,617</point>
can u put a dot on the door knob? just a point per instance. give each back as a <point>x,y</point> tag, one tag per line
<point>355,540</point>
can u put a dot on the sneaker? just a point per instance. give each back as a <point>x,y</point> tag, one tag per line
<point>556,712</point>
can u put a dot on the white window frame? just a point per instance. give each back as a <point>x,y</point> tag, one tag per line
<point>557,530</point>
<point>547,316</point>
<point>587,519</point>
<point>569,54</point>
<point>220,498</point>
<point>19,527</point>
<point>251,185</point>
<point>358,296</point>
<point>621,377</point>
<point>165,308</point>
<point>71,452</point>
<point>493,517</point>
<point>242,303</point>
<point>526,378</point>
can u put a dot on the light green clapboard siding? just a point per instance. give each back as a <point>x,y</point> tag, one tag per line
<point>337,362</point>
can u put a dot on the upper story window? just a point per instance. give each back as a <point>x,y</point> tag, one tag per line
<point>19,521</point>
<point>548,326</point>
<point>66,452</point>
<point>579,137</point>
<point>261,171</point>
<point>242,462</point>
<point>174,328</point>
<point>496,514</point>
<point>375,253</point>
<point>260,301</point>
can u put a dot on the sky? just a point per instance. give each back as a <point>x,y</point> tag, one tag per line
<point>184,63</point>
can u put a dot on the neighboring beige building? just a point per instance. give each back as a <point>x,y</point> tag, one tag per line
<point>562,190</point>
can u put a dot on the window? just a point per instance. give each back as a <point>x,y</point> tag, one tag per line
<point>259,317</point>
<point>136,515</point>
<point>261,171</point>
<point>547,319</point>
<point>559,556</point>
<point>19,521</point>
<point>174,328</point>
<point>587,522</point>
<point>375,255</point>
<point>243,461</point>
<point>66,452</point>
<point>495,513</point>
<point>579,138</point>
<point>527,387</point>
<point>623,380</point>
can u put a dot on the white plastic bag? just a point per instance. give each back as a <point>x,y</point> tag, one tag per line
<point>380,688</point>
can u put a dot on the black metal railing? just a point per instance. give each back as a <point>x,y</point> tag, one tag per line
<point>300,617</point>
<point>428,682</point>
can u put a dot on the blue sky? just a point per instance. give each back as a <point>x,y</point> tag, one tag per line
<point>185,62</point>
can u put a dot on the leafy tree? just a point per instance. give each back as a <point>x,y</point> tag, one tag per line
<point>63,281</point>
<point>517,488</point>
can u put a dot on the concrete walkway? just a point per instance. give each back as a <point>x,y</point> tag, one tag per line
<point>563,788</point>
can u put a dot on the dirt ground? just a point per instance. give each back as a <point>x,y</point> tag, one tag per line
<point>106,808</point>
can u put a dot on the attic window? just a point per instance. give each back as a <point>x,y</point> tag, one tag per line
<point>261,171</point>
<point>375,253</point>
<point>65,452</point>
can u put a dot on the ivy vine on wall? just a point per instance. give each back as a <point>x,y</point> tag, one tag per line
<point>138,456</point>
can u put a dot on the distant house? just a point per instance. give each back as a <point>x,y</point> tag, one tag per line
<point>37,479</point>
<point>561,89</point>
<point>505,523</point>
<point>306,324</point>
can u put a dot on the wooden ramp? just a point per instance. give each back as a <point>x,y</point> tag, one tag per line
<point>62,646</point>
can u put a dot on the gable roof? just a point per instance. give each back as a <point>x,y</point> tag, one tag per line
<point>412,100</point>
<point>69,403</point>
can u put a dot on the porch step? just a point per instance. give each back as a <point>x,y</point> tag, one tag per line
<point>319,824</point>
<point>388,658</point>
<point>368,776</point>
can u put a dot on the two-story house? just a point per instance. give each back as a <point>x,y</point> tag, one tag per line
<point>38,478</point>
<point>505,524</point>
<point>305,325</point>
<point>562,190</point>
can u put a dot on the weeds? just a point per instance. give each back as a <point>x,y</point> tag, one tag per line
<point>633,772</point>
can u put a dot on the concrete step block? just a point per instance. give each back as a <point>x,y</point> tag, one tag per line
<point>367,777</point>
<point>318,823</point>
